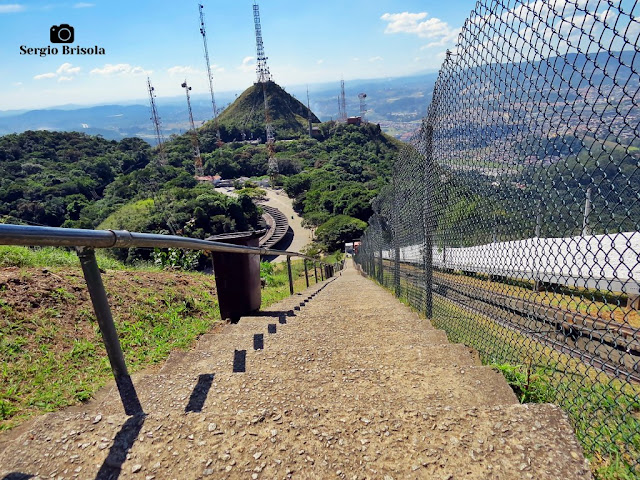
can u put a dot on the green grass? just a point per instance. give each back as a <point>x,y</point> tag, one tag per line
<point>11,256</point>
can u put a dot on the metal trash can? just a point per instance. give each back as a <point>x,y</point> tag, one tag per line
<point>237,276</point>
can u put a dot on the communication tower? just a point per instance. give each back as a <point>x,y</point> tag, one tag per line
<point>363,106</point>
<point>162,156</point>
<point>194,134</point>
<point>309,114</point>
<point>203,32</point>
<point>343,103</point>
<point>264,77</point>
<point>262,69</point>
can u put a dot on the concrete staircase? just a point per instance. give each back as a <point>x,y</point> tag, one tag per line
<point>341,381</point>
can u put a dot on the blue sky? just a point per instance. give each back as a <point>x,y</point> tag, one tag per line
<point>306,42</point>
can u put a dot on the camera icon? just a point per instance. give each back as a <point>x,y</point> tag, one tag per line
<point>62,33</point>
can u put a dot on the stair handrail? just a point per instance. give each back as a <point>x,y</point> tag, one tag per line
<point>86,241</point>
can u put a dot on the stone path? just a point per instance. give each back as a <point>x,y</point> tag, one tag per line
<point>341,381</point>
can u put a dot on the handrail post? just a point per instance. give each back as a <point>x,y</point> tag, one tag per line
<point>306,272</point>
<point>322,272</point>
<point>110,338</point>
<point>315,271</point>
<point>290,276</point>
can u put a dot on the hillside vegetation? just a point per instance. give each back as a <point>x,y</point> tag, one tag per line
<point>245,118</point>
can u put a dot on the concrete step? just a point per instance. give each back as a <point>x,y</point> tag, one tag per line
<point>327,389</point>
<point>309,338</point>
<point>418,441</point>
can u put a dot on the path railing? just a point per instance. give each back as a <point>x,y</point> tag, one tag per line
<point>86,241</point>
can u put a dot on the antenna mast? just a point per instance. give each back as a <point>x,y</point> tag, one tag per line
<point>264,77</point>
<point>194,135</point>
<point>262,69</point>
<point>203,31</point>
<point>363,106</point>
<point>309,114</point>
<point>343,102</point>
<point>162,156</point>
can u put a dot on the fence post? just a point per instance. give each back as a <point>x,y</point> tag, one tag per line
<point>306,272</point>
<point>429,224</point>
<point>110,338</point>
<point>322,272</point>
<point>381,269</point>
<point>315,271</point>
<point>290,276</point>
<point>586,228</point>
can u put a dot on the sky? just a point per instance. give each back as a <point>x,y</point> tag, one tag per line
<point>306,43</point>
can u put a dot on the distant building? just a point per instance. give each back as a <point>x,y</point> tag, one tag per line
<point>215,179</point>
<point>354,121</point>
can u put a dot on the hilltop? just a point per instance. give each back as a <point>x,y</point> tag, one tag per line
<point>246,115</point>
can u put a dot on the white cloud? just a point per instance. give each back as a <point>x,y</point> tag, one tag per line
<point>376,59</point>
<point>17,84</point>
<point>64,73</point>
<point>248,64</point>
<point>67,69</point>
<point>12,8</point>
<point>417,24</point>
<point>44,75</point>
<point>121,69</point>
<point>320,62</point>
<point>84,5</point>
<point>183,70</point>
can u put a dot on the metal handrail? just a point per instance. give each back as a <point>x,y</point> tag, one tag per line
<point>75,237</point>
<point>85,241</point>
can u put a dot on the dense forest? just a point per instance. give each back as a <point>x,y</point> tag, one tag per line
<point>75,180</point>
<point>80,181</point>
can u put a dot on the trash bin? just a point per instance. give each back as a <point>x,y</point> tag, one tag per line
<point>237,276</point>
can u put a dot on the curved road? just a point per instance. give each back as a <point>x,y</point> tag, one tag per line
<point>301,236</point>
<point>279,199</point>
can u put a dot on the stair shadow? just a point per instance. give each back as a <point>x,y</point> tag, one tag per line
<point>240,361</point>
<point>122,443</point>
<point>280,315</point>
<point>17,476</point>
<point>200,393</point>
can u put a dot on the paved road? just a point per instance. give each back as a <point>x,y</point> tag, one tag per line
<point>278,199</point>
<point>301,235</point>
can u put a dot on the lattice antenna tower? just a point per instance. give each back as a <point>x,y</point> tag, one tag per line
<point>195,143</point>
<point>343,102</point>
<point>162,156</point>
<point>363,106</point>
<point>309,113</point>
<point>262,69</point>
<point>264,77</point>
<point>203,32</point>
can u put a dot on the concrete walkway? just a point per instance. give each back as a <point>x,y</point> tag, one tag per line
<point>341,381</point>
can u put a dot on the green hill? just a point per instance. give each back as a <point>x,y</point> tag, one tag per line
<point>246,115</point>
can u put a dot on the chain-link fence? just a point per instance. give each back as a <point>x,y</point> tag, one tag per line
<point>512,217</point>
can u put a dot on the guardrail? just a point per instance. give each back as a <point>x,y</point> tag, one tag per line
<point>86,241</point>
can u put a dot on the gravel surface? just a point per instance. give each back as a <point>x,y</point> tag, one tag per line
<point>350,384</point>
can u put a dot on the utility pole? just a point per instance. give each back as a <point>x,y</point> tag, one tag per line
<point>194,135</point>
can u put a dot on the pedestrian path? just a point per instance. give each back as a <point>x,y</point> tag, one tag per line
<point>342,381</point>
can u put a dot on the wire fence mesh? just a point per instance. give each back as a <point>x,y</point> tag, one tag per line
<point>512,216</point>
